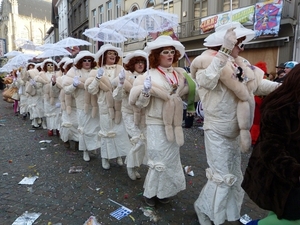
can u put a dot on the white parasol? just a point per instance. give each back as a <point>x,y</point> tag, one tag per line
<point>104,35</point>
<point>12,54</point>
<point>127,28</point>
<point>70,42</point>
<point>152,20</point>
<point>20,60</point>
<point>53,52</point>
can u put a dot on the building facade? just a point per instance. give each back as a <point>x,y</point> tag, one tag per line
<point>78,19</point>
<point>83,14</point>
<point>24,19</point>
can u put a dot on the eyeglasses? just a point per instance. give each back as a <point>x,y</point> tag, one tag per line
<point>87,60</point>
<point>49,64</point>
<point>112,53</point>
<point>241,46</point>
<point>140,62</point>
<point>167,52</point>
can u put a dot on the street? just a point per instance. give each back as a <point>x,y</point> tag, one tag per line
<point>71,198</point>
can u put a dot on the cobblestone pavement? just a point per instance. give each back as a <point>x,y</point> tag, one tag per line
<point>69,199</point>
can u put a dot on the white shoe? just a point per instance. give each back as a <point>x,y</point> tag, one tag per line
<point>105,164</point>
<point>120,161</point>
<point>86,156</point>
<point>131,173</point>
<point>138,176</point>
<point>202,217</point>
<point>44,125</point>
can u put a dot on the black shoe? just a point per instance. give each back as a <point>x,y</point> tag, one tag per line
<point>67,144</point>
<point>150,201</point>
<point>164,200</point>
<point>24,115</point>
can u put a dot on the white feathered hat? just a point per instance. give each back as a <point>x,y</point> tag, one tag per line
<point>67,62</point>
<point>63,60</point>
<point>165,41</point>
<point>217,38</point>
<point>82,54</point>
<point>49,60</point>
<point>136,53</point>
<point>105,48</point>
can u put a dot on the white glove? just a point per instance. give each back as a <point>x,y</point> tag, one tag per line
<point>147,85</point>
<point>18,74</point>
<point>230,38</point>
<point>57,104</point>
<point>121,77</point>
<point>53,79</point>
<point>32,82</point>
<point>100,73</point>
<point>76,81</point>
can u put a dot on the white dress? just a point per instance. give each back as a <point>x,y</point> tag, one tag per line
<point>137,154</point>
<point>114,138</point>
<point>165,177</point>
<point>52,110</point>
<point>69,122</point>
<point>88,127</point>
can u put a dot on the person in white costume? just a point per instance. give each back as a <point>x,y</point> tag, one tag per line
<point>73,83</point>
<point>69,122</point>
<point>115,142</point>
<point>133,117</point>
<point>160,91</point>
<point>227,84</point>
<point>35,92</point>
<point>21,83</point>
<point>47,78</point>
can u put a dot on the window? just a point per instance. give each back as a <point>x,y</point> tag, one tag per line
<point>94,18</point>
<point>75,18</point>
<point>150,3</point>
<point>100,13</point>
<point>168,6</point>
<point>200,11</point>
<point>226,5</point>
<point>79,14</point>
<point>134,8</point>
<point>118,8</point>
<point>37,37</point>
<point>109,10</point>
<point>24,33</point>
<point>86,9</point>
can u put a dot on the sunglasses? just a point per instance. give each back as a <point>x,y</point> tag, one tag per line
<point>49,64</point>
<point>87,60</point>
<point>140,62</point>
<point>112,53</point>
<point>240,45</point>
<point>167,52</point>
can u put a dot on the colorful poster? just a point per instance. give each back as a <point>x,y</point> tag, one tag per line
<point>242,15</point>
<point>267,18</point>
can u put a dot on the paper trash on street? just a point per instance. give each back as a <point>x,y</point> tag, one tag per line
<point>91,221</point>
<point>26,218</point>
<point>45,141</point>
<point>75,169</point>
<point>120,212</point>
<point>28,180</point>
<point>188,170</point>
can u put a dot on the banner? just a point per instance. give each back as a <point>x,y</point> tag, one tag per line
<point>170,32</point>
<point>267,18</point>
<point>242,15</point>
